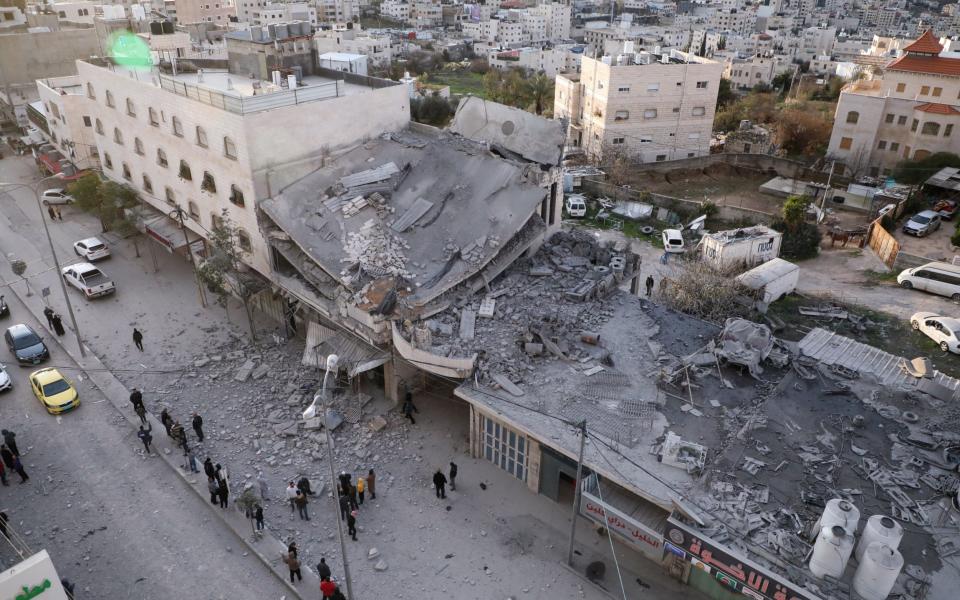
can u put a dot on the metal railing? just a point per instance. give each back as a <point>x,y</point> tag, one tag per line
<point>251,104</point>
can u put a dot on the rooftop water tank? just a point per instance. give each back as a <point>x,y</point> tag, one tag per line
<point>156,28</point>
<point>877,572</point>
<point>831,552</point>
<point>879,528</point>
<point>842,513</point>
<point>167,27</point>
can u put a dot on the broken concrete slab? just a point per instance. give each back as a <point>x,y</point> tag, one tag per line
<point>487,308</point>
<point>507,385</point>
<point>244,371</point>
<point>333,419</point>
<point>260,372</point>
<point>377,423</point>
<point>468,320</point>
<point>533,137</point>
<point>289,428</point>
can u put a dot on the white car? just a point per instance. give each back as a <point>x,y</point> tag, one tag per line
<point>942,330</point>
<point>672,240</point>
<point>91,249</point>
<point>56,196</point>
<point>89,280</point>
<point>5,382</point>
<point>576,205</point>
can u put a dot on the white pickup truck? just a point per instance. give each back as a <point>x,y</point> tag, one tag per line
<point>89,280</point>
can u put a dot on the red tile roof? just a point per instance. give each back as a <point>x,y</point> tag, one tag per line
<point>926,43</point>
<point>937,109</point>
<point>926,64</point>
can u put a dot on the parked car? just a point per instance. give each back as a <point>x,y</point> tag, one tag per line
<point>5,382</point>
<point>576,205</point>
<point>947,209</point>
<point>55,393</point>
<point>935,277</point>
<point>91,249</point>
<point>922,224</point>
<point>672,240</point>
<point>26,345</point>
<point>89,280</point>
<point>56,196</point>
<point>942,330</point>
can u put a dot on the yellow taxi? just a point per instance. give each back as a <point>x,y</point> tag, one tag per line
<point>53,391</point>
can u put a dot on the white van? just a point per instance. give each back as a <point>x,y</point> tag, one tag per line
<point>936,277</point>
<point>576,205</point>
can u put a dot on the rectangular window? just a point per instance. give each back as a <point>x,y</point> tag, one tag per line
<point>901,87</point>
<point>661,157</point>
<point>699,111</point>
<point>621,115</point>
<point>937,91</point>
<point>701,85</point>
<point>623,89</point>
<point>646,139</point>
<point>618,140</point>
<point>86,121</point>
<point>653,87</point>
<point>504,447</point>
<point>948,130</point>
<point>846,143</point>
<point>894,146</point>
<point>889,118</point>
<point>650,113</point>
<point>913,126</point>
<point>882,145</point>
<point>924,90</point>
<point>902,120</point>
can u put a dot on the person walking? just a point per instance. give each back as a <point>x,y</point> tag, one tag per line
<point>323,569</point>
<point>440,481</point>
<point>361,488</point>
<point>166,420</point>
<point>327,587</point>
<point>293,563</point>
<point>344,483</point>
<point>224,493</point>
<point>301,502</point>
<point>3,473</point>
<point>198,426</point>
<point>10,439</point>
<point>141,412</point>
<point>214,488</point>
<point>453,476</point>
<point>292,496</point>
<point>50,211</point>
<point>344,507</point>
<point>649,284</point>
<point>208,468</point>
<point>372,484</point>
<point>58,325</point>
<point>145,437</point>
<point>48,313</point>
<point>304,486</point>
<point>183,441</point>
<point>352,524</point>
<point>262,483</point>
<point>18,467</point>
<point>408,408</point>
<point>353,498</point>
<point>138,339</point>
<point>56,210</point>
<point>258,517</point>
<point>136,397</point>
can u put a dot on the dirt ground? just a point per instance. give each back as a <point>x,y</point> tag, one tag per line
<point>722,184</point>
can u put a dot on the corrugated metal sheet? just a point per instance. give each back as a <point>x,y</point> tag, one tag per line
<point>382,172</point>
<point>831,349</point>
<point>412,214</point>
<point>355,355</point>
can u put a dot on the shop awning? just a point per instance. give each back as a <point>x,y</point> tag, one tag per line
<point>355,355</point>
<point>166,231</point>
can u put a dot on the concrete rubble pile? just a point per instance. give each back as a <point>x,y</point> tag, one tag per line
<point>377,252</point>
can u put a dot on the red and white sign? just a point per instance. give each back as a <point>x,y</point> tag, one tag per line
<point>631,531</point>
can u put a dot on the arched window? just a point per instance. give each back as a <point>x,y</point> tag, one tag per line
<point>162,158</point>
<point>147,184</point>
<point>131,109</point>
<point>110,102</point>
<point>229,148</point>
<point>177,127</point>
<point>99,127</point>
<point>185,173</point>
<point>169,196</point>
<point>91,93</point>
<point>193,211</point>
<point>930,128</point>
<point>117,136</point>
<point>236,196</point>
<point>106,161</point>
<point>201,137</point>
<point>208,184</point>
<point>243,240</point>
<point>138,146</point>
<point>853,116</point>
<point>126,172</point>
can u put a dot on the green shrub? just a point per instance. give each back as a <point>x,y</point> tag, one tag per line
<point>800,242</point>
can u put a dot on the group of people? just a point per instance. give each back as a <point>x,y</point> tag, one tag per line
<point>440,480</point>
<point>218,485</point>
<point>328,588</point>
<point>54,213</point>
<point>297,495</point>
<point>54,321</point>
<point>351,497</point>
<point>173,428</point>
<point>10,455</point>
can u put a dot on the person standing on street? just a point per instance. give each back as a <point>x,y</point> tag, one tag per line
<point>58,325</point>
<point>301,502</point>
<point>649,284</point>
<point>408,408</point>
<point>50,211</point>
<point>361,488</point>
<point>3,473</point>
<point>138,339</point>
<point>10,439</point>
<point>141,412</point>
<point>258,516</point>
<point>453,476</point>
<point>213,488</point>
<point>136,399</point>
<point>292,496</point>
<point>166,420</point>
<point>327,587</point>
<point>48,313</point>
<point>56,211</point>
<point>344,507</point>
<point>208,468</point>
<point>293,563</point>
<point>353,498</point>
<point>177,432</point>
<point>224,493</point>
<point>12,461</point>
<point>304,486</point>
<point>352,524</point>
<point>344,483</point>
<point>145,437</point>
<point>440,481</point>
<point>372,484</point>
<point>262,483</point>
<point>323,569</point>
<point>18,467</point>
<point>198,426</point>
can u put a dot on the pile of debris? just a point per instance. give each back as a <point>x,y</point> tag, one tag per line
<point>376,251</point>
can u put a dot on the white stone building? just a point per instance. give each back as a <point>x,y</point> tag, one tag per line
<point>284,12</point>
<point>653,107</point>
<point>355,41</point>
<point>69,125</point>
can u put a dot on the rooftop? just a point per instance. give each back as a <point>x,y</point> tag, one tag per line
<point>925,44</point>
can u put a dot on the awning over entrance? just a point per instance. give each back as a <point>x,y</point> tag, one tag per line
<point>166,231</point>
<point>355,355</point>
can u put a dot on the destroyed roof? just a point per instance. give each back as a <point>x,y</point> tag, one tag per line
<point>427,208</point>
<point>744,233</point>
<point>533,137</point>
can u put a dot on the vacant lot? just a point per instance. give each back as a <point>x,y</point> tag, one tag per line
<point>460,82</point>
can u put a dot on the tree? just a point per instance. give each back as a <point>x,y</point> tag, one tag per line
<point>803,132</point>
<point>914,172</point>
<point>224,271</point>
<point>247,502</point>
<point>479,65</point>
<point>781,83</point>
<point>616,163</point>
<point>87,195</point>
<point>794,211</point>
<point>540,90</point>
<point>725,93</point>
<point>105,199</point>
<point>432,110</point>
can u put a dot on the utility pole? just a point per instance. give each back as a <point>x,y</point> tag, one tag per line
<point>826,192</point>
<point>177,213</point>
<point>576,494</point>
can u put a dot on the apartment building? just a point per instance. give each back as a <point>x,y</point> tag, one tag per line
<point>550,61</point>
<point>654,107</point>
<point>337,11</point>
<point>213,139</point>
<point>557,16</point>
<point>745,73</point>
<point>909,113</point>
<point>205,11</point>
<point>68,124</point>
<point>284,12</point>
<point>377,49</point>
<point>396,10</point>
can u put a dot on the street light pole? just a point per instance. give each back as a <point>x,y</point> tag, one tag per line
<point>177,213</point>
<point>53,252</point>
<point>582,426</point>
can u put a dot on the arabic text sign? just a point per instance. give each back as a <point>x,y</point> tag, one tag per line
<point>34,577</point>
<point>735,573</point>
<point>644,539</point>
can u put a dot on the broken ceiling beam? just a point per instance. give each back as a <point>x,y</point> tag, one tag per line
<point>507,385</point>
<point>411,215</point>
<point>380,173</point>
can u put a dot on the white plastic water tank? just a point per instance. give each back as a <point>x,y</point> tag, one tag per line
<point>877,572</point>
<point>879,528</point>
<point>831,552</point>
<point>842,513</point>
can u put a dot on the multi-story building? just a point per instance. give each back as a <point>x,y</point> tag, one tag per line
<point>205,11</point>
<point>550,61</point>
<point>745,73</point>
<point>217,139</point>
<point>377,49</point>
<point>557,16</point>
<point>284,12</point>
<point>396,10</point>
<point>68,125</point>
<point>75,12</point>
<point>908,114</point>
<point>738,21</point>
<point>425,14</point>
<point>652,107</point>
<point>337,11</point>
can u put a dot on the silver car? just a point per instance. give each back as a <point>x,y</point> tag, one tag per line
<point>922,224</point>
<point>5,382</point>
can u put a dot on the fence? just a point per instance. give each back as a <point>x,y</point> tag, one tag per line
<point>774,165</point>
<point>883,244</point>
<point>249,104</point>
